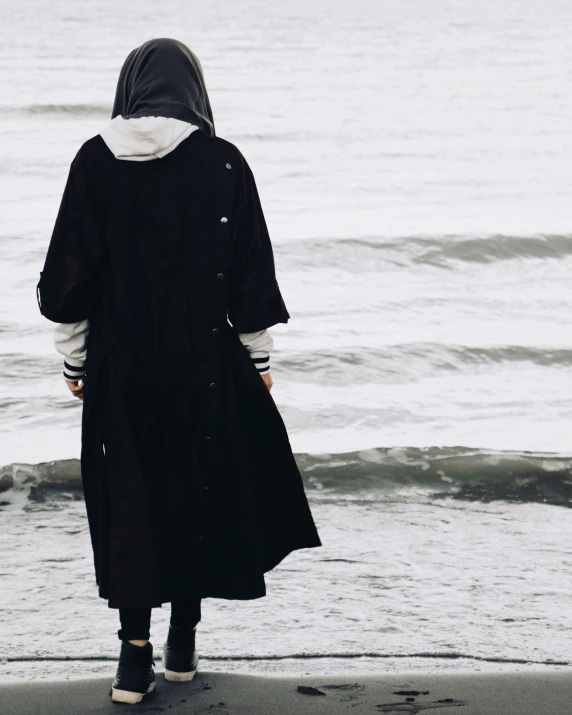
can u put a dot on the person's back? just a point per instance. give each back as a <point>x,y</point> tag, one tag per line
<point>161,258</point>
<point>179,237</point>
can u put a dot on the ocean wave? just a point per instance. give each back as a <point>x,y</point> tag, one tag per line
<point>458,472</point>
<point>71,109</point>
<point>490,249</point>
<point>373,253</point>
<point>413,360</point>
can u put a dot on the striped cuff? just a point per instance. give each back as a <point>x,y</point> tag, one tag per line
<point>74,372</point>
<point>262,364</point>
<point>259,344</point>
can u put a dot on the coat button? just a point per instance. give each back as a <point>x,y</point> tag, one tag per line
<point>228,166</point>
<point>207,438</point>
<point>205,488</point>
<point>213,385</point>
<point>215,331</point>
<point>220,276</point>
<point>224,219</point>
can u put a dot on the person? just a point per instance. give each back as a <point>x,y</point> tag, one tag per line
<point>160,277</point>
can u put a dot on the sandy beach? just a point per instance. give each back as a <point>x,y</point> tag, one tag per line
<point>531,693</point>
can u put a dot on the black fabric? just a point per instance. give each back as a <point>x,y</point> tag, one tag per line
<point>190,484</point>
<point>164,78</point>
<point>136,622</point>
<point>185,615</point>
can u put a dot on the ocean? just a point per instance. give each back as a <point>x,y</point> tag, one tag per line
<point>413,161</point>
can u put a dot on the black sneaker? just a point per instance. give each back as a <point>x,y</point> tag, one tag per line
<point>135,676</point>
<point>180,657</point>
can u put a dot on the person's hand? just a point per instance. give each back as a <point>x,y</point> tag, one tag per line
<point>76,387</point>
<point>267,379</point>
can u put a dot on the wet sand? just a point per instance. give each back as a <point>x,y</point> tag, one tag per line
<point>525,693</point>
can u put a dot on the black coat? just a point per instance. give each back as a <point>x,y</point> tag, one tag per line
<point>190,484</point>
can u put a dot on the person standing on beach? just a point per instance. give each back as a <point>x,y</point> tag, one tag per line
<point>160,277</point>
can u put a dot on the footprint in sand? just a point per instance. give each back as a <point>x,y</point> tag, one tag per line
<point>345,692</point>
<point>214,709</point>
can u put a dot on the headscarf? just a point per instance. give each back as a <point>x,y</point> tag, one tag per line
<point>164,78</point>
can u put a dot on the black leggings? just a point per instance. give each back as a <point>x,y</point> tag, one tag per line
<point>136,622</point>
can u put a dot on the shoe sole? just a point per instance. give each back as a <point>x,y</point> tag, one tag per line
<point>127,696</point>
<point>174,677</point>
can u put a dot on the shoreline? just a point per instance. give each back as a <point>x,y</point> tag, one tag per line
<point>43,669</point>
<point>219,693</point>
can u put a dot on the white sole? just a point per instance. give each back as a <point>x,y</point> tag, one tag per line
<point>174,677</point>
<point>126,696</point>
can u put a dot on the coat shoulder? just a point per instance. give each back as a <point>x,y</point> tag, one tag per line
<point>227,151</point>
<point>92,154</point>
<point>223,146</point>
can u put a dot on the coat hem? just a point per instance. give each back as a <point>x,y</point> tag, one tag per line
<point>221,593</point>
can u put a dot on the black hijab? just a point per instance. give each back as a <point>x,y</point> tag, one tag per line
<point>164,78</point>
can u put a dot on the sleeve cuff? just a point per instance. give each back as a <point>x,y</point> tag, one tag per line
<point>262,364</point>
<point>259,344</point>
<point>74,369</point>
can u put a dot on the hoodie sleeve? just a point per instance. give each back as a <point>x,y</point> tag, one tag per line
<point>70,340</point>
<point>259,344</point>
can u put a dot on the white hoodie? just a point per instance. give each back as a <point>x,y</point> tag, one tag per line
<point>144,139</point>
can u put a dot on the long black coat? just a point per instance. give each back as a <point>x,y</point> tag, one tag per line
<point>191,487</point>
